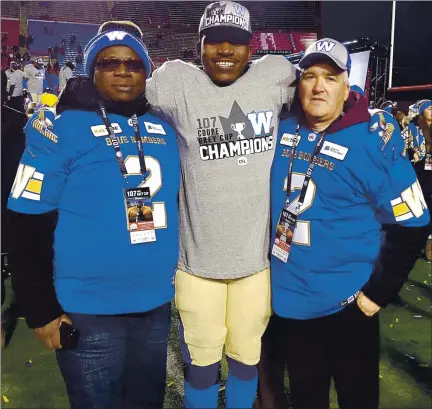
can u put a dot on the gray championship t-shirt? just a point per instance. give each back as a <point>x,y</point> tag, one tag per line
<point>226,139</point>
<point>35,78</point>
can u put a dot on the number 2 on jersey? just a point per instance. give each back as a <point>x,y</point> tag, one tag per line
<point>302,231</point>
<point>153,182</point>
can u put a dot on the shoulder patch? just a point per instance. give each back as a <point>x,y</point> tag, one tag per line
<point>391,143</point>
<point>43,125</point>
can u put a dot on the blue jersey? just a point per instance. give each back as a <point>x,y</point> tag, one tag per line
<point>354,189</point>
<point>390,143</point>
<point>69,165</point>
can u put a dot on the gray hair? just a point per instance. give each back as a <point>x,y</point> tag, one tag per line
<point>346,78</point>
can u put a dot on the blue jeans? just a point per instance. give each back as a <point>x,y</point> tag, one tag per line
<point>120,360</point>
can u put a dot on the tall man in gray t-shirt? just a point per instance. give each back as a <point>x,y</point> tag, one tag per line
<point>226,117</point>
<point>35,74</point>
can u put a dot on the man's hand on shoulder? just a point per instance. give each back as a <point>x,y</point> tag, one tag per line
<point>50,333</point>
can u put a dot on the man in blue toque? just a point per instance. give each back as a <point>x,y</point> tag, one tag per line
<point>95,198</point>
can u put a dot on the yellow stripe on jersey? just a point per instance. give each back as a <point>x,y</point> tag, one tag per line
<point>400,209</point>
<point>410,203</point>
<point>27,183</point>
<point>34,186</point>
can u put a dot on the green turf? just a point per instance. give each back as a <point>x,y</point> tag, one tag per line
<point>405,370</point>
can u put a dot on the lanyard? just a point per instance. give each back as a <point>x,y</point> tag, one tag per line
<point>308,172</point>
<point>116,145</point>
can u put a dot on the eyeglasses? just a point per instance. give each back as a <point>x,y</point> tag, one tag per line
<point>113,64</point>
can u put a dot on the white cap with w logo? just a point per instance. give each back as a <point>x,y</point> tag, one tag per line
<point>327,48</point>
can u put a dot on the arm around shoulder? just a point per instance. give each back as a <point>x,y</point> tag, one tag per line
<point>161,86</point>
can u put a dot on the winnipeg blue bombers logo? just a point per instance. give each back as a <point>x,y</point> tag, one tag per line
<point>115,35</point>
<point>325,45</point>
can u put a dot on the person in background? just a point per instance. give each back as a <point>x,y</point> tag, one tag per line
<point>15,93</point>
<point>418,137</point>
<point>35,75</point>
<point>65,74</point>
<point>7,73</point>
<point>26,59</point>
<point>12,147</point>
<point>414,134</point>
<point>400,116</point>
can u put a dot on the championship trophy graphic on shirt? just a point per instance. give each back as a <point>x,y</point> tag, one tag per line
<point>239,127</point>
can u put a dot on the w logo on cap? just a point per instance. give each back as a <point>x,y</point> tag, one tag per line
<point>239,9</point>
<point>326,46</point>
<point>116,35</point>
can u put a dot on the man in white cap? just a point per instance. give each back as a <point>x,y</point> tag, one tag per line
<point>35,75</point>
<point>332,193</point>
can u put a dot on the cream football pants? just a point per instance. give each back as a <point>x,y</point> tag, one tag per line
<point>36,97</point>
<point>214,313</point>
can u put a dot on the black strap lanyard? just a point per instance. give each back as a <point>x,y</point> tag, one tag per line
<point>308,172</point>
<point>116,145</point>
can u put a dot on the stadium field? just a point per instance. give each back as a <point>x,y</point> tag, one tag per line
<point>31,378</point>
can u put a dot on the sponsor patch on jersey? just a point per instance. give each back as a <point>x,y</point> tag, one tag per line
<point>154,128</point>
<point>335,151</point>
<point>288,139</point>
<point>100,130</point>
<point>410,203</point>
<point>27,183</point>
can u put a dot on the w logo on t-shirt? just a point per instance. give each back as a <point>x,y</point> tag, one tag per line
<point>326,46</point>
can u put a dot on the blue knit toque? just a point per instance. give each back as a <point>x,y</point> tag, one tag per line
<point>110,39</point>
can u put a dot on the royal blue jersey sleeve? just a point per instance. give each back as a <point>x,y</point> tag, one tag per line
<point>43,168</point>
<point>394,189</point>
<point>390,142</point>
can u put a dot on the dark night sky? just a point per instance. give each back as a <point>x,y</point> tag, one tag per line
<point>348,20</point>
